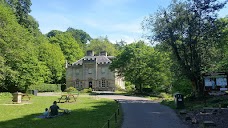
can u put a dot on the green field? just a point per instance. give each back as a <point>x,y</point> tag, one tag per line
<point>87,112</point>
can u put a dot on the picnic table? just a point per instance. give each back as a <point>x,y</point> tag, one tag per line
<point>67,97</point>
<point>24,96</point>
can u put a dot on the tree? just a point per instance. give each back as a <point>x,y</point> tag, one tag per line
<point>68,45</point>
<point>223,46</point>
<point>20,57</point>
<point>120,45</point>
<point>102,44</point>
<point>52,33</point>
<point>79,35</point>
<point>53,62</point>
<point>142,66</point>
<point>21,9</point>
<point>189,28</point>
<point>5,72</point>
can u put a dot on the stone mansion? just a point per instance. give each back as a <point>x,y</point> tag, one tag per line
<point>93,72</point>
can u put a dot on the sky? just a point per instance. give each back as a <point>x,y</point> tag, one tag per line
<point>116,19</point>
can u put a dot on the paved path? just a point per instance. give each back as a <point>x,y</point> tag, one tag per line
<point>142,113</point>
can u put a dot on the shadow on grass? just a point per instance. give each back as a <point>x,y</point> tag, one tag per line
<point>93,117</point>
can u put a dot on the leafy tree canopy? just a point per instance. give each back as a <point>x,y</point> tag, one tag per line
<point>190,28</point>
<point>18,53</point>
<point>143,66</point>
<point>68,45</point>
<point>79,35</point>
<point>102,44</point>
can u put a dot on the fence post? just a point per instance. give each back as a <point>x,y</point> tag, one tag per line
<point>115,118</point>
<point>118,111</point>
<point>108,124</point>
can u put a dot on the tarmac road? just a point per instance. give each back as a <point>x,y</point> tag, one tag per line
<point>143,113</point>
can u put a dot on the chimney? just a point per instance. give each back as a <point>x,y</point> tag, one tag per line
<point>103,53</point>
<point>90,53</point>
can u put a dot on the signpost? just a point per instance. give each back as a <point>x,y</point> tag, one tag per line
<point>215,81</point>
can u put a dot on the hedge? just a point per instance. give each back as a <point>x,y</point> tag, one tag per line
<point>46,87</point>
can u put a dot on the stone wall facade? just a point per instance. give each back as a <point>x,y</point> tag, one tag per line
<point>93,72</point>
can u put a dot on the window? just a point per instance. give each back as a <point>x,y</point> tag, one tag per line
<point>89,71</point>
<point>102,70</point>
<point>81,84</point>
<point>99,83</point>
<point>77,83</point>
<point>77,72</point>
<point>103,83</point>
<point>108,83</point>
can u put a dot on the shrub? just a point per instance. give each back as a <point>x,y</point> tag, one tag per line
<point>87,90</point>
<point>183,86</point>
<point>129,87</point>
<point>118,88</point>
<point>46,87</point>
<point>70,89</point>
<point>5,94</point>
<point>164,95</point>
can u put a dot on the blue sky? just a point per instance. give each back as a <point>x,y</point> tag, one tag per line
<point>116,19</point>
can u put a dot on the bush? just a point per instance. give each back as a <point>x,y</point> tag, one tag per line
<point>46,87</point>
<point>87,90</point>
<point>183,86</point>
<point>70,89</point>
<point>129,87</point>
<point>118,88</point>
<point>164,95</point>
<point>5,94</point>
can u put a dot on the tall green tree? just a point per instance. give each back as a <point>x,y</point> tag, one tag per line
<point>102,44</point>
<point>21,9</point>
<point>53,62</point>
<point>52,33</point>
<point>19,53</point>
<point>79,35</point>
<point>68,45</point>
<point>222,61</point>
<point>189,28</point>
<point>143,66</point>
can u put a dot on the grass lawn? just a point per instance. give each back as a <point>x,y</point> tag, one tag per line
<point>87,112</point>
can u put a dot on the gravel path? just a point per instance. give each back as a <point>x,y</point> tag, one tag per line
<point>142,113</point>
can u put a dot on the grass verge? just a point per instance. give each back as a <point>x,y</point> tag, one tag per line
<point>199,103</point>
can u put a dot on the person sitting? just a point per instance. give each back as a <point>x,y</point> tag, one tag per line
<point>46,113</point>
<point>54,109</point>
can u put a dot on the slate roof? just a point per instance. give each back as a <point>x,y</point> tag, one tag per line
<point>98,59</point>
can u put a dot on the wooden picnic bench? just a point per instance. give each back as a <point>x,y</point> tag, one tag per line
<point>24,95</point>
<point>67,97</point>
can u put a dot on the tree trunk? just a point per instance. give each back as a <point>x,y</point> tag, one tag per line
<point>193,88</point>
<point>140,88</point>
<point>197,86</point>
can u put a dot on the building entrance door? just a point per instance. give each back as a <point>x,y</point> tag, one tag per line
<point>90,84</point>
